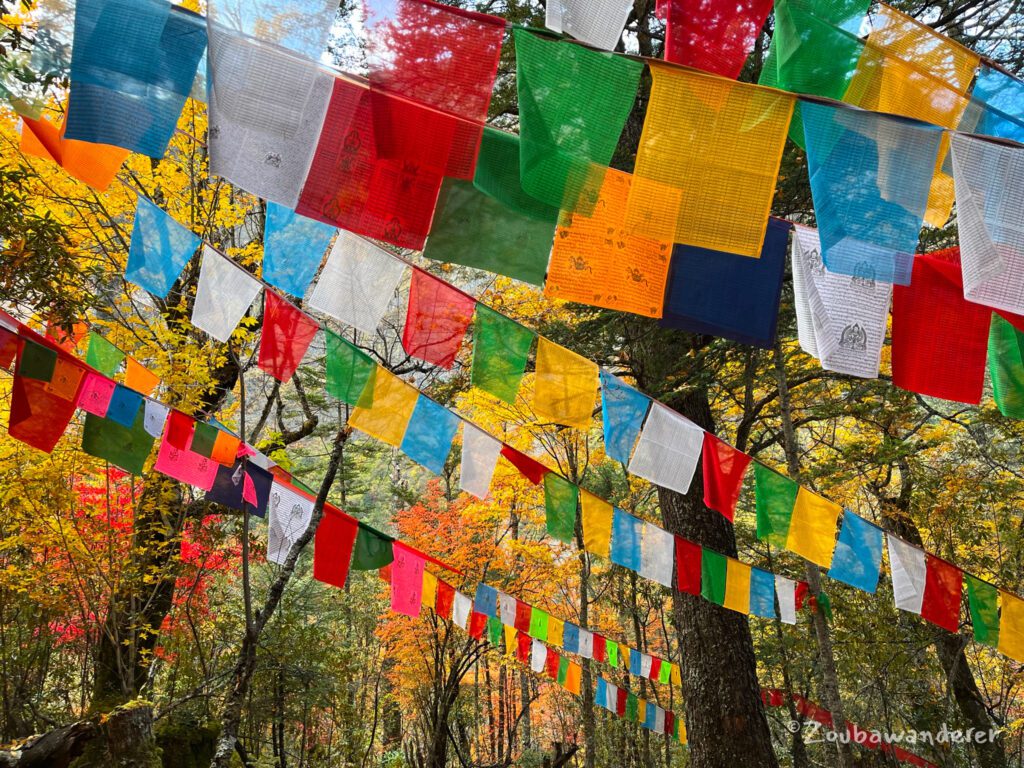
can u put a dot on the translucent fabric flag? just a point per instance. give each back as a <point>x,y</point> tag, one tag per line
<point>480,454</point>
<point>332,548</point>
<point>462,606</point>
<point>598,23</point>
<point>989,178</point>
<point>737,586</point>
<point>159,249</point>
<point>597,524</point>
<point>302,26</point>
<point>1006,367</point>
<point>290,515</point>
<point>428,438</point>
<point>762,593</point>
<point>293,247</point>
<point>391,403</point>
<point>722,294</point>
<point>812,527</point>
<point>565,385</point>
<point>94,164</point>
<point>497,176</point>
<point>668,450</point>
<point>436,320</point>
<point>688,566</point>
<point>96,394</point>
<point>184,465</point>
<point>132,67</point>
<point>626,534</point>
<point>775,497</point>
<point>372,551</point>
<point>657,554</point>
<point>501,348</point>
<point>858,556</point>
<point>597,261</point>
<point>406,581</point>
<point>909,570</point>
<point>983,602</point>
<point>723,469</point>
<point>841,320</point>
<point>225,293</point>
<point>124,447</point>
<point>528,467</point>
<point>714,570</point>
<point>943,589</point>
<point>266,108</point>
<point>870,176</point>
<point>140,378</point>
<point>785,589</point>
<point>712,35</point>
<point>996,107</point>
<point>1011,626</point>
<point>623,410</point>
<point>287,334</point>
<point>707,161</point>
<point>357,283</point>
<point>102,355</point>
<point>563,85</point>
<point>349,369</point>
<point>561,499</point>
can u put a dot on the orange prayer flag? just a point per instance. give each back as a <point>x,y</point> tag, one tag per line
<point>140,378</point>
<point>94,164</point>
<point>225,448</point>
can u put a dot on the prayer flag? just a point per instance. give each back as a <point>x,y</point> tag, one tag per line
<point>538,624</point>
<point>908,566</point>
<point>494,632</point>
<point>140,378</point>
<point>123,406</point>
<point>626,540</point>
<point>1011,626</point>
<point>406,580</point>
<point>812,527</point>
<point>552,665</point>
<point>486,600</point>
<point>37,361</point>
<point>480,454</point>
<point>612,650</point>
<point>229,487</point>
<point>564,385</point>
<point>497,176</point>
<point>444,605</point>
<point>389,411</point>
<point>102,355</point>
<point>124,447</point>
<point>293,247</point>
<point>8,347</point>
<point>224,295</point>
<point>714,570</point>
<point>657,556</point>
<point>1006,367</point>
<point>372,551</point>
<point>597,524</point>
<point>462,607</point>
<point>304,30</point>
<point>507,609</point>
<point>94,164</point>
<point>600,648</point>
<point>68,375</point>
<point>538,656</point>
<point>983,601</point>
<point>712,35</point>
<point>723,468</point>
<point>436,320</point>
<point>349,369</point>
<point>96,394</point>
<point>943,587</point>
<point>623,410</point>
<point>429,435</point>
<point>290,515</point>
<point>598,23</point>
<point>762,593</point>
<point>560,501</point>
<point>570,637</point>
<point>428,597</point>
<point>225,448</point>
<point>737,586</point>
<point>501,348</point>
<point>586,646</point>
<point>159,248</point>
<point>184,465</point>
<point>556,630</point>
<point>332,548</point>
<point>688,566</point>
<point>858,557</point>
<point>287,334</point>
<point>478,623</point>
<point>180,430</point>
<point>775,497</point>
<point>530,468</point>
<point>995,106</point>
<point>785,589</point>
<point>204,438</point>
<point>668,450</point>
<point>511,640</point>
<point>156,415</point>
<point>572,678</point>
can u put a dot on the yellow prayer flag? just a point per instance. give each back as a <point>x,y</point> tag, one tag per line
<point>388,415</point>
<point>677,679</point>
<point>556,628</point>
<point>140,378</point>
<point>1011,626</point>
<point>641,710</point>
<point>812,528</point>
<point>708,160</point>
<point>429,597</point>
<point>737,586</point>
<point>511,641</point>
<point>597,524</point>
<point>572,678</point>
<point>682,729</point>
<point>565,385</point>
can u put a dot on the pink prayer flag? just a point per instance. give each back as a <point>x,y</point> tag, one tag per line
<point>186,466</point>
<point>249,490</point>
<point>96,394</point>
<point>406,580</point>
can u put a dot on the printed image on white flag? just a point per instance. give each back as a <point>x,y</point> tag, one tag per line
<point>224,294</point>
<point>289,518</point>
<point>668,450</point>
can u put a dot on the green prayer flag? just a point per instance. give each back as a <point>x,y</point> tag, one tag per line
<point>37,361</point>
<point>1006,367</point>
<point>501,348</point>
<point>665,675</point>
<point>497,176</point>
<point>349,370</point>
<point>560,501</point>
<point>371,551</point>
<point>475,230</point>
<point>203,438</point>
<point>538,624</point>
<point>983,601</point>
<point>612,650</point>
<point>102,355</point>
<point>825,604</point>
<point>125,448</point>
<point>775,496</point>
<point>632,707</point>
<point>494,631</point>
<point>713,567</point>
<point>563,669</point>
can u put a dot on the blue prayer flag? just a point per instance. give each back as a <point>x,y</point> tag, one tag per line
<point>996,107</point>
<point>124,405</point>
<point>650,715</point>
<point>428,438</point>
<point>762,593</point>
<point>570,638</point>
<point>601,697</point>
<point>293,247</point>
<point>722,294</point>
<point>623,410</point>
<point>626,533</point>
<point>132,67</point>
<point>858,555</point>
<point>486,601</point>
<point>636,662</point>
<point>159,250</point>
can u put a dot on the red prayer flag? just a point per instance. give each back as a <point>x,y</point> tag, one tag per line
<point>436,320</point>
<point>713,35</point>
<point>444,600</point>
<point>179,430</point>
<point>530,468</point>
<point>800,594</point>
<point>723,470</point>
<point>620,702</point>
<point>40,413</point>
<point>8,347</point>
<point>332,548</point>
<point>287,334</point>
<point>655,668</point>
<point>477,625</point>
<point>943,585</point>
<point>523,613</point>
<point>249,490</point>
<point>688,565</point>
<point>524,645</point>
<point>600,651</point>
<point>670,721</point>
<point>551,664</point>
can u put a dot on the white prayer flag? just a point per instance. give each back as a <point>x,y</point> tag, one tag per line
<point>668,450</point>
<point>598,22</point>
<point>538,656</point>
<point>909,569</point>
<point>154,417</point>
<point>646,665</point>
<point>611,696</point>
<point>657,554</point>
<point>224,294</point>
<point>586,646</point>
<point>357,283</point>
<point>480,454</point>
<point>290,514</point>
<point>507,609</point>
<point>659,720</point>
<point>462,607</point>
<point>785,589</point>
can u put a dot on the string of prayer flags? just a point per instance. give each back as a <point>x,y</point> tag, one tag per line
<point>870,175</point>
<point>988,179</point>
<point>224,295</point>
<point>266,110</point>
<point>841,319</point>
<point>39,413</point>
<point>908,567</point>
<point>657,554</point>
<point>429,435</point>
<point>93,164</point>
<point>372,551</point>
<point>723,294</point>
<point>1006,367</point>
<point>943,588</point>
<point>528,467</point>
<point>708,160</point>
<point>723,469</point>
<point>290,514</point>
<point>124,447</point>
<point>348,369</point>
<point>304,30</point>
<point>182,463</point>
<point>857,560</point>
<point>386,412</point>
<point>561,499</point>
<point>785,590</point>
<point>812,527</point>
<point>626,536</point>
<point>668,450</point>
<point>598,23</point>
<point>623,410</point>
<point>293,247</point>
<point>501,348</point>
<point>565,385</point>
<point>569,85</point>
<point>1011,626</point>
<point>96,393</point>
<point>357,283</point>
<point>333,542</point>
<point>436,321</point>
<point>132,67</point>
<point>597,261</point>
<point>287,334</point>
<point>983,603</point>
<point>140,378</point>
<point>102,355</point>
<point>159,249</point>
<point>712,35</point>
<point>775,496</point>
<point>480,454</point>
<point>229,487</point>
<point>597,524</point>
